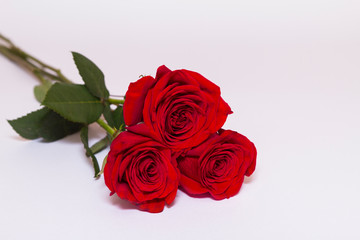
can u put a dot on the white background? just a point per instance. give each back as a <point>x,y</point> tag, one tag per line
<point>290,70</point>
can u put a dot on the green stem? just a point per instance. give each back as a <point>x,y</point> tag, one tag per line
<point>43,71</point>
<point>5,39</point>
<point>116,101</point>
<point>8,54</point>
<point>29,62</point>
<point>107,128</point>
<point>100,145</point>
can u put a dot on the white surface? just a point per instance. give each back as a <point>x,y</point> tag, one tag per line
<point>290,70</point>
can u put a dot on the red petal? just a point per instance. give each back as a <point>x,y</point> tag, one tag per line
<point>140,129</point>
<point>223,111</point>
<point>205,84</point>
<point>134,101</point>
<point>191,186</point>
<point>153,206</point>
<point>252,166</point>
<point>161,71</point>
<point>171,197</point>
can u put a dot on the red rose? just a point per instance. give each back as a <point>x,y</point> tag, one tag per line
<point>181,108</point>
<point>218,165</point>
<point>142,171</point>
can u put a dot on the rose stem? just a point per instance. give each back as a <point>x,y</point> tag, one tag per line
<point>30,63</point>
<point>116,101</point>
<point>105,126</point>
<point>40,71</point>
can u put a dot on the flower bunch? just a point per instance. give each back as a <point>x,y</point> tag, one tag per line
<point>164,134</point>
<point>174,138</point>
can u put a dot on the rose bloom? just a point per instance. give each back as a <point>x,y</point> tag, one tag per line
<point>181,108</point>
<point>142,171</point>
<point>218,165</point>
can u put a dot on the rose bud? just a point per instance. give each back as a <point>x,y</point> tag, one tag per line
<point>181,108</point>
<point>218,165</point>
<point>142,171</point>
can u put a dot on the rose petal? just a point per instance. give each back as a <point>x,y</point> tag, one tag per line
<point>134,101</point>
<point>161,71</point>
<point>205,84</point>
<point>141,129</point>
<point>124,192</point>
<point>171,197</point>
<point>155,206</point>
<point>234,188</point>
<point>191,186</point>
<point>252,166</point>
<point>223,111</point>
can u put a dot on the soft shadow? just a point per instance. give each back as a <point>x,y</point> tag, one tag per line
<point>250,179</point>
<point>19,138</point>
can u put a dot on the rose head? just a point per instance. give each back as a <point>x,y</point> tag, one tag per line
<point>180,108</point>
<point>142,171</point>
<point>218,165</point>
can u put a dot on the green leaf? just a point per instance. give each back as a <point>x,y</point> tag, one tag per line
<point>44,123</point>
<point>41,90</point>
<point>118,117</point>
<point>74,102</point>
<point>54,127</point>
<point>28,126</point>
<point>114,118</point>
<point>85,140</point>
<point>108,115</point>
<point>91,75</point>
